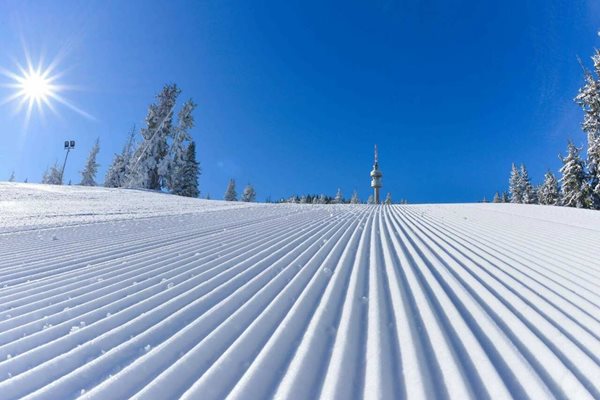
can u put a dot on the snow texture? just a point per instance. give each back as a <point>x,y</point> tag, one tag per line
<point>114,293</point>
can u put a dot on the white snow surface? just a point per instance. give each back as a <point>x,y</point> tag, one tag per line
<point>112,294</point>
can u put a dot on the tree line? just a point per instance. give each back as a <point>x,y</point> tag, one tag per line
<point>249,195</point>
<point>337,199</point>
<point>579,183</point>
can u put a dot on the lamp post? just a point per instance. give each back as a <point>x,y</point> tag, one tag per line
<point>69,145</point>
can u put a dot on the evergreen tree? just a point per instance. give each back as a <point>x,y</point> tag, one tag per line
<point>497,198</point>
<point>150,155</point>
<point>339,197</point>
<point>388,199</point>
<point>186,183</point>
<point>528,191</point>
<point>589,100</point>
<point>172,166</point>
<point>505,198</point>
<point>249,194</point>
<point>12,177</point>
<point>304,199</point>
<point>371,200</point>
<point>322,199</point>
<point>117,173</point>
<point>230,193</point>
<point>88,175</point>
<point>354,199</point>
<point>315,200</point>
<point>593,156</point>
<point>548,192</point>
<point>514,185</point>
<point>574,188</point>
<point>52,176</point>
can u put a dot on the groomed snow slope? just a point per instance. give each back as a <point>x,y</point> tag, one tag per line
<point>110,294</point>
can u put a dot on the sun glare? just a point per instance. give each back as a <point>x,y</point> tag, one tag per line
<point>37,88</point>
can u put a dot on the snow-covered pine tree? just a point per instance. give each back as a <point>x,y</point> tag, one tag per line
<point>548,192</point>
<point>230,193</point>
<point>339,197</point>
<point>515,186</point>
<point>249,194</point>
<point>187,180</point>
<point>589,100</point>
<point>154,148</point>
<point>574,187</point>
<point>322,199</point>
<point>88,175</point>
<point>593,156</point>
<point>529,192</point>
<point>52,175</point>
<point>505,197</point>
<point>531,197</point>
<point>388,199</point>
<point>354,199</point>
<point>12,177</point>
<point>315,200</point>
<point>497,198</point>
<point>117,173</point>
<point>370,200</point>
<point>172,166</point>
<point>303,199</point>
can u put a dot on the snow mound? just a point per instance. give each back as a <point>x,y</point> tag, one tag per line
<point>109,294</point>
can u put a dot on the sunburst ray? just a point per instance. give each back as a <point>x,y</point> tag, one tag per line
<point>36,88</point>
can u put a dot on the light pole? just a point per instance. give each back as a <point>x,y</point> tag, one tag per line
<point>69,144</point>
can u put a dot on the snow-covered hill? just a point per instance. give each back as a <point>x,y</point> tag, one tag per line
<point>110,294</point>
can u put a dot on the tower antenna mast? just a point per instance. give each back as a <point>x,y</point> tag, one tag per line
<point>376,176</point>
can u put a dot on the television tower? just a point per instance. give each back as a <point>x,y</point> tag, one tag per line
<point>376,176</point>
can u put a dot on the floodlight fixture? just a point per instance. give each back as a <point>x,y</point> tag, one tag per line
<point>69,145</point>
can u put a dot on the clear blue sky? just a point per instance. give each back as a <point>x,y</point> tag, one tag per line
<point>292,95</point>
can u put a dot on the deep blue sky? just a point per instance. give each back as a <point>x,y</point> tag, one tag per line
<point>292,95</point>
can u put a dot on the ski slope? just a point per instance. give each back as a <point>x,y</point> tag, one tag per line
<point>112,294</point>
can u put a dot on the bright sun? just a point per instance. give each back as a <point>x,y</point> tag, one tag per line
<point>35,87</point>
